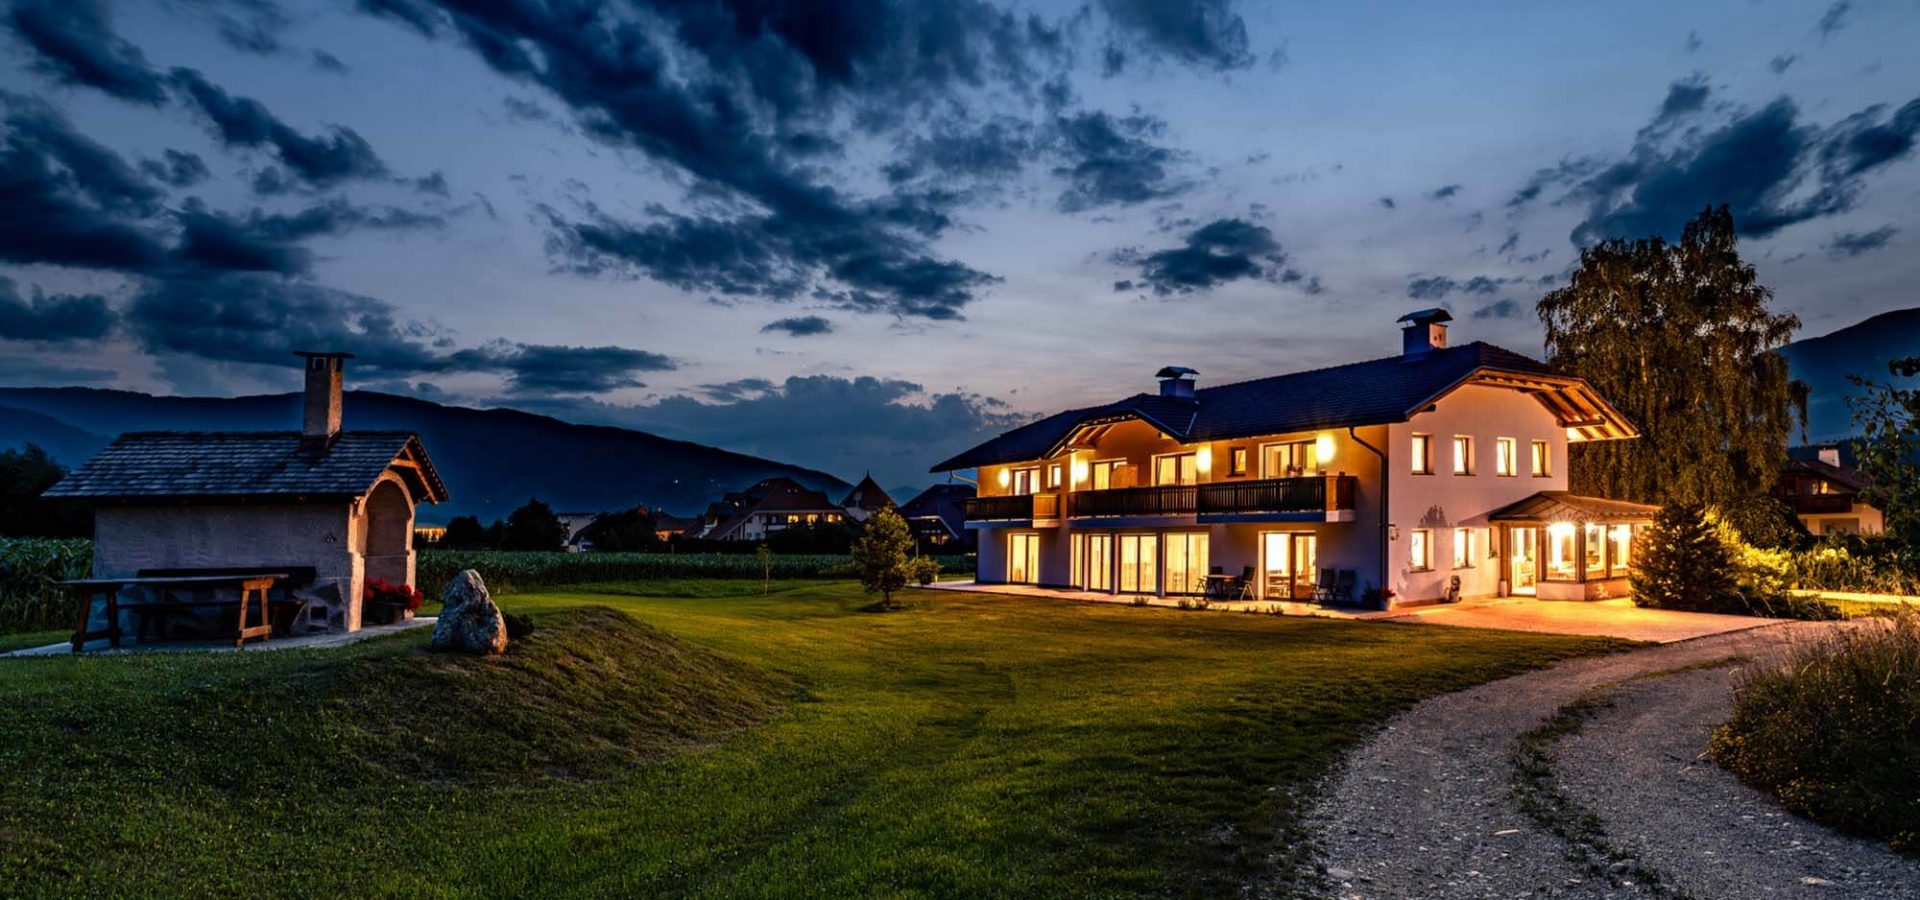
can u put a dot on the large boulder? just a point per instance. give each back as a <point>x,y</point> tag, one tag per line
<point>469,620</point>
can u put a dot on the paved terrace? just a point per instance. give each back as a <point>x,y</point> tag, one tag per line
<point>317,641</point>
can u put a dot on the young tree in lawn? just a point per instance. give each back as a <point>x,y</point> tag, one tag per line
<point>1680,339</point>
<point>763,554</point>
<point>533,527</point>
<point>1889,452</point>
<point>1682,562</point>
<point>881,553</point>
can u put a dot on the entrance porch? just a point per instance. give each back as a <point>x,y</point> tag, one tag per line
<point>1562,546</point>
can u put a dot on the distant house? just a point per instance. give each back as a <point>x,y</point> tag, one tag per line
<point>1437,472</point>
<point>576,525</point>
<point>773,505</point>
<point>338,504</point>
<point>667,527</point>
<point>1830,497</point>
<point>865,499</point>
<point>938,516</point>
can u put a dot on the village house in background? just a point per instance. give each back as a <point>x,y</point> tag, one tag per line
<point>329,509</point>
<point>865,499</point>
<point>1829,496</point>
<point>769,506</point>
<point>1437,473</point>
<point>938,517</point>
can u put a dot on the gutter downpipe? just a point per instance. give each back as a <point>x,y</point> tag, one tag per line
<point>1386,478</point>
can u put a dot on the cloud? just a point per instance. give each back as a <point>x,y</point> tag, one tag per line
<point>1203,33</point>
<point>994,149</point>
<point>176,168</point>
<point>1111,162</point>
<point>1216,253</point>
<point>1694,42</point>
<point>1438,287</point>
<point>246,123</point>
<point>1849,244</point>
<point>546,369</point>
<point>1445,191</point>
<point>327,62</point>
<point>1780,64</point>
<point>1834,19</point>
<point>75,44</point>
<point>1686,96</point>
<point>738,389</point>
<point>61,318</point>
<point>1501,309</point>
<point>249,26</point>
<point>67,200</point>
<point>1387,202</point>
<point>270,242</point>
<point>799,326</point>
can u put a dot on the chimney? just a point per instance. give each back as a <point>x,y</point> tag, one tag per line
<point>1176,382</point>
<point>326,375</point>
<point>1425,330</point>
<point>1830,455</point>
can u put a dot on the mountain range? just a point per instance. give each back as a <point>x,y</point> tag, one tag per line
<point>1863,349</point>
<point>492,460</point>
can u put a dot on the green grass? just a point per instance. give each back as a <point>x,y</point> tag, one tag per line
<point>966,746</point>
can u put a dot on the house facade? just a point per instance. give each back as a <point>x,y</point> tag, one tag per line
<point>938,518</point>
<point>769,506</point>
<point>1830,497</point>
<point>1438,473</point>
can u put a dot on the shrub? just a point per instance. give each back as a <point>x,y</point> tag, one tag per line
<point>1832,730</point>
<point>926,570</point>
<point>511,571</point>
<point>1693,561</point>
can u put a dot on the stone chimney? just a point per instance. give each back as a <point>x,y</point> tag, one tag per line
<point>326,377</point>
<point>1830,455</point>
<point>1176,382</point>
<point>1424,331</point>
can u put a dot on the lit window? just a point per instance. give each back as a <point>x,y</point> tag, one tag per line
<point>1420,549</point>
<point>1422,454</point>
<point>1178,468</point>
<point>1542,460</point>
<point>1026,481</point>
<point>1290,460</point>
<point>1596,550</point>
<point>1506,457</point>
<point>1462,548</point>
<point>1053,475</point>
<point>1104,471</point>
<point>1462,455</point>
<point>1621,553</point>
<point>1237,461</point>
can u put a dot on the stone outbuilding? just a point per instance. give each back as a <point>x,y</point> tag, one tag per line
<point>335,506</point>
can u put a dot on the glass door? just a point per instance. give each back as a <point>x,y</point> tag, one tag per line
<point>1306,554</point>
<point>1276,566</point>
<point>1023,558</point>
<point>1097,558</point>
<point>1525,558</point>
<point>1186,563</point>
<point>1138,563</point>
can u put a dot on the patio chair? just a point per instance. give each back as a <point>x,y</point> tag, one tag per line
<point>1343,585</point>
<point>1242,587</point>
<point>1323,589</point>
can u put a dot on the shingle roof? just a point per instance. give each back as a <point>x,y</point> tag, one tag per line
<point>1374,392</point>
<point>867,495</point>
<point>1561,506</point>
<point>779,494</point>
<point>943,502</point>
<point>232,464</point>
<point>1847,476</point>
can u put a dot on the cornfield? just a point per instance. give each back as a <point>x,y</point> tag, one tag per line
<point>512,570</point>
<point>30,570</point>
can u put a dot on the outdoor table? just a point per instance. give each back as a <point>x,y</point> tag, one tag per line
<point>1220,585</point>
<point>253,594</point>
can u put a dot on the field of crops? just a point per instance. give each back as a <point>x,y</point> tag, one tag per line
<point>30,568</point>
<point>504,570</point>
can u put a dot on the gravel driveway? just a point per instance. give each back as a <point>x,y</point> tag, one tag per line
<point>1430,807</point>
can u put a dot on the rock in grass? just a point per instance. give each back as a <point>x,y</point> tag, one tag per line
<point>469,620</point>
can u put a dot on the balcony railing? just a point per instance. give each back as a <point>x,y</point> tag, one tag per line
<point>1816,504</point>
<point>1013,508</point>
<point>1269,495</point>
<point>1169,500</point>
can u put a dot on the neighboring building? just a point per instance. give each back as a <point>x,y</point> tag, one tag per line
<point>1829,496</point>
<point>1405,472</point>
<point>424,533</point>
<point>938,517</point>
<point>576,523</point>
<point>775,504</point>
<point>667,527</point>
<point>865,499</point>
<point>338,503</point>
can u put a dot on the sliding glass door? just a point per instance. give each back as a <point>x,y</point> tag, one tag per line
<point>1023,558</point>
<point>1186,563</point>
<point>1287,563</point>
<point>1138,563</point>
<point>1093,561</point>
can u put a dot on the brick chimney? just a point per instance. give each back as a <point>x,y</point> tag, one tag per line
<point>1424,331</point>
<point>326,377</point>
<point>1176,382</point>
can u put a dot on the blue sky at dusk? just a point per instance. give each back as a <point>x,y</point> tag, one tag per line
<point>863,235</point>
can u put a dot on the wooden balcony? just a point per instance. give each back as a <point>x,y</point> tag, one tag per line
<point>1317,494</point>
<point>1014,508</point>
<point>1820,504</point>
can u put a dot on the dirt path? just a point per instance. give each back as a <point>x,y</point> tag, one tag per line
<point>1432,806</point>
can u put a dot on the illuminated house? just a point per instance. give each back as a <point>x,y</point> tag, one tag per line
<point>1407,472</point>
<point>775,504</point>
<point>1830,497</point>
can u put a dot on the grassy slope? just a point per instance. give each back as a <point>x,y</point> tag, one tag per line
<point>968,746</point>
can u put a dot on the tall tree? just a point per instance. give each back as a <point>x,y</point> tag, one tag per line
<point>880,556</point>
<point>1889,451</point>
<point>24,474</point>
<point>533,527</point>
<point>1680,339</point>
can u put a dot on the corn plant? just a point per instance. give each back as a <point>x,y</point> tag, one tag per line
<point>31,569</point>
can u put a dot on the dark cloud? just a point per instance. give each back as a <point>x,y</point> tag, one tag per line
<point>1848,244</point>
<point>1501,309</point>
<point>1566,171</point>
<point>1834,19</point>
<point>1437,287</point>
<point>1686,96</point>
<point>1445,191</point>
<point>435,184</point>
<point>327,62</point>
<point>67,200</point>
<point>738,389</point>
<point>1203,33</point>
<point>176,168</point>
<point>61,318</point>
<point>1780,64</point>
<point>1694,42</point>
<point>543,369</point>
<point>271,242</point>
<point>74,43</point>
<point>1387,202</point>
<point>244,122</point>
<point>1112,162</point>
<point>1216,253</point>
<point>249,26</point>
<point>799,326</point>
<point>992,150</point>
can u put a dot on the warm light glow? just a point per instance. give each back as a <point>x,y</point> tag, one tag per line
<point>1006,478</point>
<point>1573,435</point>
<point>1561,530</point>
<point>1203,459</point>
<point>1323,449</point>
<point>1079,471</point>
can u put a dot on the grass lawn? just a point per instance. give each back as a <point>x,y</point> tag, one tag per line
<point>719,743</point>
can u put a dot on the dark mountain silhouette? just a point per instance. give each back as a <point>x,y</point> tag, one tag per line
<point>491,459</point>
<point>1825,362</point>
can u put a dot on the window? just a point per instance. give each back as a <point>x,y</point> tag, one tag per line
<point>1023,558</point>
<point>1237,461</point>
<point>1103,472</point>
<point>1506,458</point>
<point>1542,460</point>
<point>1026,481</point>
<point>1138,556</point>
<point>1423,454</point>
<point>1462,548</point>
<point>1289,460</point>
<point>1176,468</point>
<point>1596,551</point>
<point>1621,551</point>
<point>1420,550</point>
<point>1186,570</point>
<point>1562,564</point>
<point>1053,476</point>
<point>1462,455</point>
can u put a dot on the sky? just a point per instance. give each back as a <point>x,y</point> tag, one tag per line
<point>861,236</point>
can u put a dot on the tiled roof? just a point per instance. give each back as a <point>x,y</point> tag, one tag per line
<point>867,495</point>
<point>246,464</point>
<point>1846,476</point>
<point>1561,506</point>
<point>774,495</point>
<point>1374,392</point>
<point>944,502</point>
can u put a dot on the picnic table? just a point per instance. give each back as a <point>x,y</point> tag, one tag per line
<point>253,588</point>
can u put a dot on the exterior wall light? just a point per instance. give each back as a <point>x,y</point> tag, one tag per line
<point>1004,478</point>
<point>1079,471</point>
<point>1203,459</point>
<point>1323,448</point>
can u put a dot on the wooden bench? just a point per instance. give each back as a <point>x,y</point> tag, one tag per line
<point>253,587</point>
